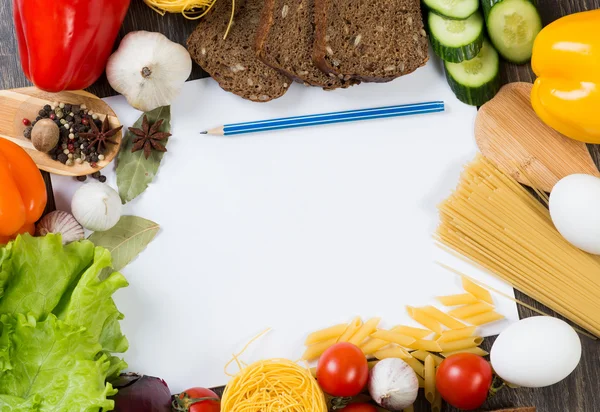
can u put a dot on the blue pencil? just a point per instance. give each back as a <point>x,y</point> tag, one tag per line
<point>326,118</point>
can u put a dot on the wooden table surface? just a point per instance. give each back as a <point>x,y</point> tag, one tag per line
<point>580,392</point>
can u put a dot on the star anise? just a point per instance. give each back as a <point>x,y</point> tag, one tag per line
<point>149,138</point>
<point>99,138</point>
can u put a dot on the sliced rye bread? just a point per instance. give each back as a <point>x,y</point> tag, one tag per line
<point>374,41</point>
<point>232,62</point>
<point>285,40</point>
<point>529,409</point>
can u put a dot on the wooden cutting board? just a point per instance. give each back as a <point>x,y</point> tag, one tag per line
<point>17,104</point>
<point>509,132</point>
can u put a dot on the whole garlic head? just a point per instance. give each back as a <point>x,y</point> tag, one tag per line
<point>97,206</point>
<point>148,69</point>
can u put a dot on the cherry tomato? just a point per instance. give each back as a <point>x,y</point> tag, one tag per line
<point>464,380</point>
<point>360,407</point>
<point>190,403</point>
<point>343,370</point>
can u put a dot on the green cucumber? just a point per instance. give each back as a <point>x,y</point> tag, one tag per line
<point>454,9</point>
<point>477,80</point>
<point>456,40</point>
<point>512,26</point>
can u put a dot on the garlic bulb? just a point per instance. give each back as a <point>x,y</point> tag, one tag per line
<point>96,206</point>
<point>63,223</point>
<point>393,384</point>
<point>148,69</point>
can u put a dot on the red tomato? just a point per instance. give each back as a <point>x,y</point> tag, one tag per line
<point>343,370</point>
<point>464,380</point>
<point>360,407</point>
<point>188,398</point>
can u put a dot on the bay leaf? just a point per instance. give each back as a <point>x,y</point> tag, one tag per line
<point>127,239</point>
<point>134,171</point>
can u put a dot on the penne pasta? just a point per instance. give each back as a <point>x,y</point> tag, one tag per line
<point>442,317</point>
<point>395,352</point>
<point>416,366</point>
<point>475,350</point>
<point>350,330</point>
<point>477,291</point>
<point>457,300</point>
<point>325,334</point>
<point>424,319</point>
<point>416,333</point>
<point>468,311</point>
<point>484,318</point>
<point>421,381</point>
<point>465,343</point>
<point>457,334</point>
<point>373,345</point>
<point>364,331</point>
<point>429,370</point>
<point>422,355</point>
<point>393,337</point>
<point>426,345</point>
<point>316,350</point>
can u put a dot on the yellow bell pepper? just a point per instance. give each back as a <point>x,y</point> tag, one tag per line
<point>566,59</point>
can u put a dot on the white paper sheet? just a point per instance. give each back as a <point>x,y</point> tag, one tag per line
<point>292,230</point>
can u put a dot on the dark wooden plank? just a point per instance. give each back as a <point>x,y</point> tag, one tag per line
<point>577,393</point>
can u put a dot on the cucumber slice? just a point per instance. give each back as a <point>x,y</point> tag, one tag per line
<point>454,9</point>
<point>477,80</point>
<point>456,40</point>
<point>512,26</point>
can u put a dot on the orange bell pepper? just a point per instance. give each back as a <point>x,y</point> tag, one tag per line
<point>566,59</point>
<point>22,192</point>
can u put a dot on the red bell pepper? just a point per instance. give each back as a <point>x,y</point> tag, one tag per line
<point>64,45</point>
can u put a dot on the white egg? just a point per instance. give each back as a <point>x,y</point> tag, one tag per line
<point>574,206</point>
<point>536,352</point>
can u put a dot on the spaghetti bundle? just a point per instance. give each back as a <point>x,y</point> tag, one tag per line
<point>271,386</point>
<point>495,222</point>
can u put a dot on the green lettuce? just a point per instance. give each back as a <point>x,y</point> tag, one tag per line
<point>60,334</point>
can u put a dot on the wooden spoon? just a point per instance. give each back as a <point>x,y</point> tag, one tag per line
<point>25,103</point>
<point>509,133</point>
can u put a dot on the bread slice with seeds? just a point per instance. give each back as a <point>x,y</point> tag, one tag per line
<point>285,40</point>
<point>232,62</point>
<point>374,41</point>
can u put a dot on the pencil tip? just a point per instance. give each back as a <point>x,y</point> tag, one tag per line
<point>204,132</point>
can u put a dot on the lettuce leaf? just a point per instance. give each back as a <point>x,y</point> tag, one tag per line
<point>59,325</point>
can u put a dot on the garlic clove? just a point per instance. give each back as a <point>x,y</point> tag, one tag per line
<point>63,223</point>
<point>148,69</point>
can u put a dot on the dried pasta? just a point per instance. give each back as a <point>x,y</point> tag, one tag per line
<point>457,300</point>
<point>351,329</point>
<point>457,334</point>
<point>316,350</point>
<point>484,318</point>
<point>365,330</point>
<point>495,222</point>
<point>429,370</point>
<point>475,351</point>
<point>468,311</point>
<point>424,319</point>
<point>422,355</point>
<point>465,343</point>
<point>393,337</point>
<point>273,385</point>
<point>443,318</point>
<point>326,334</point>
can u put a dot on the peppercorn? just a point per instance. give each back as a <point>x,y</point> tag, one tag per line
<point>26,122</point>
<point>68,108</point>
<point>94,165</point>
<point>102,179</point>
<point>42,113</point>
<point>69,119</point>
<point>54,156</point>
<point>27,132</point>
<point>85,121</point>
<point>82,178</point>
<point>96,175</point>
<point>75,109</point>
<point>63,158</point>
<point>53,116</point>
<point>47,108</point>
<point>37,119</point>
